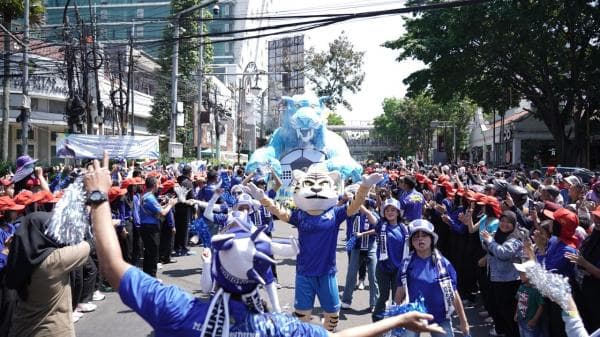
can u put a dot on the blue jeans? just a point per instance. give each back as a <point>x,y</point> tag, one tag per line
<point>446,325</point>
<point>525,331</point>
<point>353,271</point>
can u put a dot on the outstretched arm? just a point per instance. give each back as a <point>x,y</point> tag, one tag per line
<point>414,321</point>
<point>280,212</point>
<point>112,265</point>
<point>363,190</point>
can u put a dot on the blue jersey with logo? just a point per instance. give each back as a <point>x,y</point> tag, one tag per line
<point>173,312</point>
<point>395,237</point>
<point>317,236</point>
<point>412,204</point>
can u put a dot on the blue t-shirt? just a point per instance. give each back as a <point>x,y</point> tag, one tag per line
<point>555,260</point>
<point>422,279</point>
<point>395,238</point>
<point>317,236</point>
<point>412,204</point>
<point>149,210</point>
<point>173,312</point>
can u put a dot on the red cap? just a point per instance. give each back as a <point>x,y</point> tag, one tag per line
<point>46,197</point>
<point>167,186</point>
<point>8,204</point>
<point>460,192</point>
<point>420,178</point>
<point>550,170</point>
<point>116,192</point>
<point>550,208</point>
<point>24,198</point>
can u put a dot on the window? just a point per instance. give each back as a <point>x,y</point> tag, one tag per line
<point>30,150</point>
<point>103,14</point>
<point>225,10</point>
<point>226,47</point>
<point>139,13</point>
<point>30,135</point>
<point>53,136</point>
<point>139,31</point>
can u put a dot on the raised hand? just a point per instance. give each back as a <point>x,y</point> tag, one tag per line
<point>372,179</point>
<point>255,192</point>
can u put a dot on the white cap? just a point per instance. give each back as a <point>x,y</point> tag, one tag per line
<point>522,267</point>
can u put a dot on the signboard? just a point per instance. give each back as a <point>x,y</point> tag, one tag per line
<point>175,150</point>
<point>92,146</point>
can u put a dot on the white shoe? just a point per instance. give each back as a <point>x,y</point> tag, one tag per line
<point>98,296</point>
<point>484,314</point>
<point>159,265</point>
<point>75,319</point>
<point>489,320</point>
<point>77,314</point>
<point>345,305</point>
<point>361,285</point>
<point>86,307</point>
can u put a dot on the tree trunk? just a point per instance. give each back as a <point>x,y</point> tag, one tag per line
<point>6,93</point>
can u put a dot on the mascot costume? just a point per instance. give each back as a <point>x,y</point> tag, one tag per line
<point>303,141</point>
<point>318,220</point>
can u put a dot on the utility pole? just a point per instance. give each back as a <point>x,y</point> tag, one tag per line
<point>174,71</point>
<point>97,64</point>
<point>26,106</point>
<point>84,71</point>
<point>217,131</point>
<point>122,105</point>
<point>130,78</point>
<point>201,77</point>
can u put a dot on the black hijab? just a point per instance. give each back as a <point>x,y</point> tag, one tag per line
<point>29,249</point>
<point>590,247</point>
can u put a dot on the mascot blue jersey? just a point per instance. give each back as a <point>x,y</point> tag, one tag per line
<point>174,313</point>
<point>317,235</point>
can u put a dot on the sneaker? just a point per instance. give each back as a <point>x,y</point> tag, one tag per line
<point>361,285</point>
<point>169,261</point>
<point>190,252</point>
<point>98,296</point>
<point>159,265</point>
<point>346,305</point>
<point>278,285</point>
<point>86,307</point>
<point>75,319</point>
<point>77,314</point>
<point>484,314</point>
<point>489,320</point>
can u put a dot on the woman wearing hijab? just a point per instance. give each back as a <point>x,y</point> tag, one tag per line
<point>425,272</point>
<point>504,248</point>
<point>587,271</point>
<point>39,270</point>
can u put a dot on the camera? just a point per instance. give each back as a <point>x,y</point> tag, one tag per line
<point>216,10</point>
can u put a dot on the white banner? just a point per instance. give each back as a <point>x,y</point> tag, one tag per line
<point>92,146</point>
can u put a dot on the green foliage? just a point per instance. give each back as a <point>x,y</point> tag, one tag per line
<point>407,122</point>
<point>14,9</point>
<point>498,52</point>
<point>335,119</point>
<point>335,71</point>
<point>187,88</point>
<point>6,167</point>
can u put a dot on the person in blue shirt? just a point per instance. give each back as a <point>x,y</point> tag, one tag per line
<point>364,247</point>
<point>411,201</point>
<point>425,272</point>
<point>150,213</point>
<point>132,217</point>
<point>317,218</point>
<point>391,235</point>
<point>173,312</point>
<point>212,183</point>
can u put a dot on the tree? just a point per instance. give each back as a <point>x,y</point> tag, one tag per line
<point>9,11</point>
<point>407,122</point>
<point>335,119</point>
<point>498,52</point>
<point>187,88</point>
<point>335,71</point>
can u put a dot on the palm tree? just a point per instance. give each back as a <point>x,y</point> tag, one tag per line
<point>10,10</point>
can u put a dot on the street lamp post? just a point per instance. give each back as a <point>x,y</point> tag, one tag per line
<point>246,83</point>
<point>447,124</point>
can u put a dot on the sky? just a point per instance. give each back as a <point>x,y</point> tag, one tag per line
<point>383,74</point>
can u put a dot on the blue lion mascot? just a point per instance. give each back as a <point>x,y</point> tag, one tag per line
<point>303,141</point>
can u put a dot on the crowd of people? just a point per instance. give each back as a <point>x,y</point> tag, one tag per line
<point>449,235</point>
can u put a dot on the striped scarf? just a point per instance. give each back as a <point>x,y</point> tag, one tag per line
<point>443,278</point>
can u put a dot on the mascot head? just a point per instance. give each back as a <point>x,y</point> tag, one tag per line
<point>242,258</point>
<point>315,191</point>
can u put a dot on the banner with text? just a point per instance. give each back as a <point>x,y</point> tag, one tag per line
<point>92,146</point>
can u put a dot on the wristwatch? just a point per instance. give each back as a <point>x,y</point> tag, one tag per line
<point>96,198</point>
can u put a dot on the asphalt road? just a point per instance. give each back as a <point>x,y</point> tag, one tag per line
<point>114,319</point>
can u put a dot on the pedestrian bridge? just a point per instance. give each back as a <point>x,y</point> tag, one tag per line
<point>353,126</point>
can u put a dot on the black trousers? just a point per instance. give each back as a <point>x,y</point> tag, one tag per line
<point>151,238</point>
<point>182,228</point>
<point>505,304</point>
<point>83,282</point>
<point>8,303</point>
<point>586,299</point>
<point>126,242</point>
<point>137,248</point>
<point>553,313</point>
<point>166,243</point>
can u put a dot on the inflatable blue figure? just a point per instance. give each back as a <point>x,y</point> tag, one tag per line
<point>303,141</point>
